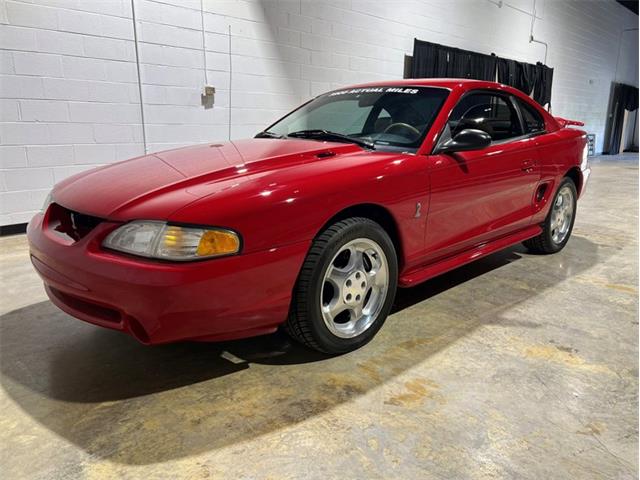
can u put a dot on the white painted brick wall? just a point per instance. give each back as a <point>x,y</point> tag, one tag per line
<point>69,96</point>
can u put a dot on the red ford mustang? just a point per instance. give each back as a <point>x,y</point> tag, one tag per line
<point>313,224</point>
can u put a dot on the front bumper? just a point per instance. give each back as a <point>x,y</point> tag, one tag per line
<point>160,302</point>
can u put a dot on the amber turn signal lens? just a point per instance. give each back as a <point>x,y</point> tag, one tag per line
<point>218,242</point>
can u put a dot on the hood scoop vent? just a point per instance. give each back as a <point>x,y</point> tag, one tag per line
<point>326,154</point>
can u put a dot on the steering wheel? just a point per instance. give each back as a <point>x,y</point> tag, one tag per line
<point>406,126</point>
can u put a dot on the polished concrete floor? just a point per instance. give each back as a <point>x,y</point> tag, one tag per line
<point>517,366</point>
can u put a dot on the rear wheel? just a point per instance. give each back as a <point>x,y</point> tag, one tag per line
<point>558,225</point>
<point>346,287</point>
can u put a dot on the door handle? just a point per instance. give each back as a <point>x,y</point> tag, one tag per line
<point>528,166</point>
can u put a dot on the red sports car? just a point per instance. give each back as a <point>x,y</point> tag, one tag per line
<point>314,223</point>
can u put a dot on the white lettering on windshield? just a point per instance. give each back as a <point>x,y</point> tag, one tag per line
<point>409,91</point>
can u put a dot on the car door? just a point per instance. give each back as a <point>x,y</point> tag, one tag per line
<point>480,195</point>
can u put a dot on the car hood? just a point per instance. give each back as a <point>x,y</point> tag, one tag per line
<point>155,185</point>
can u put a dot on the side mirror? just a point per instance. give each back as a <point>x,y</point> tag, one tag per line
<point>465,140</point>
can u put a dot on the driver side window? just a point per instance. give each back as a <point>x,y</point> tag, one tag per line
<point>491,113</point>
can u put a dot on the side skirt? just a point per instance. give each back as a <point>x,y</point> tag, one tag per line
<point>421,274</point>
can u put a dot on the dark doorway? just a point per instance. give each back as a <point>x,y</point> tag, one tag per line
<point>623,98</point>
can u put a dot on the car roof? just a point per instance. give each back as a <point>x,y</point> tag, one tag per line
<point>451,83</point>
<point>454,84</point>
<point>460,86</point>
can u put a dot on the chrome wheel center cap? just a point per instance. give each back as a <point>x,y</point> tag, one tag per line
<point>354,288</point>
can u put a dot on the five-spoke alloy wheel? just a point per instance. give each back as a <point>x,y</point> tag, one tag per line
<point>558,225</point>
<point>354,288</point>
<point>346,287</point>
<point>562,214</point>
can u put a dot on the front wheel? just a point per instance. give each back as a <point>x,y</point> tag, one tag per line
<point>346,287</point>
<point>558,225</point>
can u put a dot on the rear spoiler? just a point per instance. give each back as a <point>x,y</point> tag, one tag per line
<point>563,122</point>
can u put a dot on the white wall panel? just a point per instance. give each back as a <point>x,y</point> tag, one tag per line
<point>69,94</point>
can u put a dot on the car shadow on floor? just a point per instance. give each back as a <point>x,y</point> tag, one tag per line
<point>133,404</point>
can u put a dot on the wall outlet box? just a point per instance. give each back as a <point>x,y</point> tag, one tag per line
<point>208,96</point>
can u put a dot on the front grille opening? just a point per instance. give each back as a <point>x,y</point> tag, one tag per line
<point>93,310</point>
<point>69,224</point>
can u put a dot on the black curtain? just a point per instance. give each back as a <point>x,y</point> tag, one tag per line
<point>482,67</point>
<point>507,72</point>
<point>543,78</point>
<point>623,97</point>
<point>424,62</point>
<point>431,60</point>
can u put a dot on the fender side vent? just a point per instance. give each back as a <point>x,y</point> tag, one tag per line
<point>542,189</point>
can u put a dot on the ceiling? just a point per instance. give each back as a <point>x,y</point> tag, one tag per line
<point>630,4</point>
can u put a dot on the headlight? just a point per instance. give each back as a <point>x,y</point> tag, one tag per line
<point>47,201</point>
<point>172,242</point>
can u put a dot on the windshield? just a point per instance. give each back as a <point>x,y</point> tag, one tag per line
<point>388,118</point>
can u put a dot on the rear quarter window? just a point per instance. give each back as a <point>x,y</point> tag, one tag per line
<point>533,121</point>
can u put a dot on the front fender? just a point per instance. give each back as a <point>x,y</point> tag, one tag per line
<point>291,205</point>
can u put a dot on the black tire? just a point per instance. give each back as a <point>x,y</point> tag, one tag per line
<point>544,243</point>
<point>305,323</point>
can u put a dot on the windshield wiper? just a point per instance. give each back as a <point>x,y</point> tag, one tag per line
<point>326,134</point>
<point>268,134</point>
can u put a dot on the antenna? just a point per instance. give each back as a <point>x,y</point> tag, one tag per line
<point>204,48</point>
<point>135,40</point>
